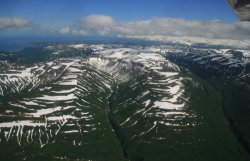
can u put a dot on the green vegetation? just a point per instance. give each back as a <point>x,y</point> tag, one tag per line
<point>32,55</point>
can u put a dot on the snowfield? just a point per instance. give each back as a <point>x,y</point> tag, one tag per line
<point>69,94</point>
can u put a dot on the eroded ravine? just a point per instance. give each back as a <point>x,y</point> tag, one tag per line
<point>112,122</point>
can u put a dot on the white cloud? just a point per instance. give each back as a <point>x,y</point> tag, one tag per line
<point>13,22</point>
<point>65,30</point>
<point>97,24</point>
<point>164,29</point>
<point>93,21</point>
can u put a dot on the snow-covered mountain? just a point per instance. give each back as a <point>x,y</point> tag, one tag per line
<point>117,102</point>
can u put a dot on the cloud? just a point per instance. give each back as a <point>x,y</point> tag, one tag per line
<point>97,24</point>
<point>162,29</point>
<point>64,30</point>
<point>13,22</point>
<point>93,21</point>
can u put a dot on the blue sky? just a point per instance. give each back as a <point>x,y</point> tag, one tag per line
<point>145,19</point>
<point>66,11</point>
